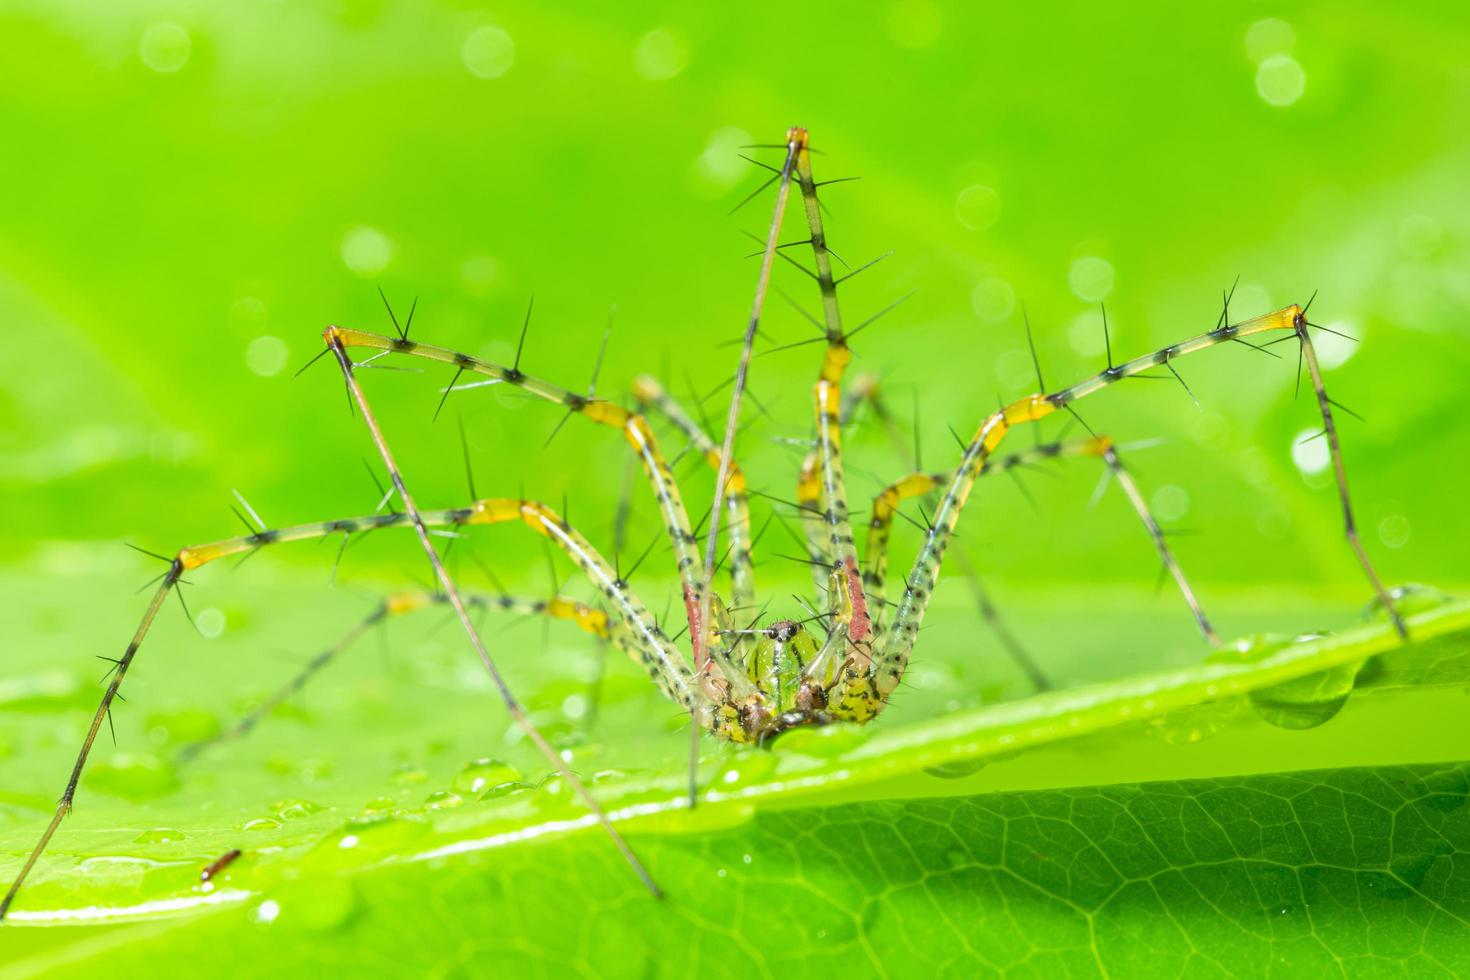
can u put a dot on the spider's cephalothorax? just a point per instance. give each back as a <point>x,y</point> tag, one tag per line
<point>763,681</point>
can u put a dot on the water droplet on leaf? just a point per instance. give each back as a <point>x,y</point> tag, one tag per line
<point>481,774</point>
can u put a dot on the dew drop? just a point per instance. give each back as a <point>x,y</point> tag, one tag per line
<point>442,799</point>
<point>1410,600</point>
<point>295,809</point>
<point>608,775</point>
<point>1194,724</point>
<point>505,789</point>
<point>261,823</point>
<point>1307,701</point>
<point>481,774</point>
<point>828,741</point>
<point>748,768</point>
<point>373,834</point>
<point>410,774</point>
<point>159,835</point>
<point>958,769</point>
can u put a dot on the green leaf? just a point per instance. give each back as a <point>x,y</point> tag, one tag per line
<point>1139,825</point>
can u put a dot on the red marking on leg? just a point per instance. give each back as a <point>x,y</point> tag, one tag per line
<point>861,626</point>
<point>696,628</point>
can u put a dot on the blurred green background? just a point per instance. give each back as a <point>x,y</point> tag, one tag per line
<point>193,190</point>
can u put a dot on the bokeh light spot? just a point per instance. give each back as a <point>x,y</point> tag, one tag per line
<point>1090,278</point>
<point>165,47</point>
<point>1310,452</point>
<point>366,251</point>
<point>660,55</point>
<point>1280,81</point>
<point>720,167</point>
<point>1394,530</point>
<point>1085,333</point>
<point>266,355</point>
<point>977,207</point>
<point>1335,349</point>
<point>1170,502</point>
<point>488,51</point>
<point>993,299</point>
<point>211,622</point>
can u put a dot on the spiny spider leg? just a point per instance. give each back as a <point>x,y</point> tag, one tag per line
<point>590,620</point>
<point>829,477</point>
<point>1166,555</point>
<point>640,635</point>
<point>886,504</point>
<point>558,532</point>
<point>634,426</point>
<point>700,626</point>
<point>899,639</point>
<point>651,395</point>
<point>867,389</point>
<point>63,807</point>
<point>1339,473</point>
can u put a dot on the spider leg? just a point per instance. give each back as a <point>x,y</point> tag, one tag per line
<point>822,483</point>
<point>63,806</point>
<point>867,389</point>
<point>451,592</point>
<point>591,620</point>
<point>814,525</point>
<point>1339,472</point>
<point>651,395</point>
<point>886,504</point>
<point>645,640</point>
<point>672,675</point>
<point>898,640</point>
<point>1166,555</point>
<point>634,427</point>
